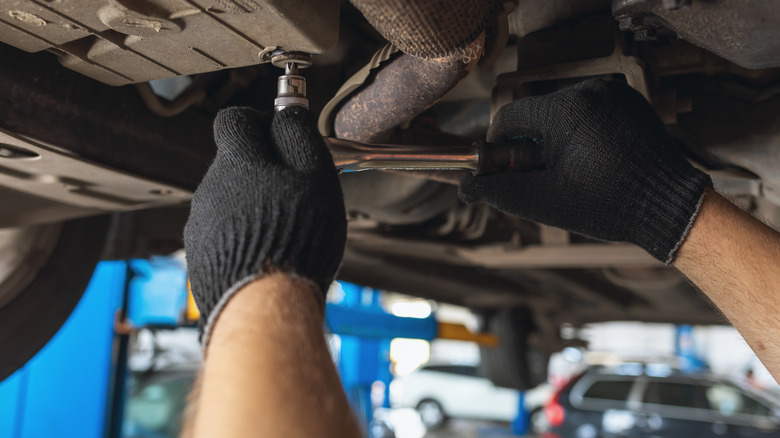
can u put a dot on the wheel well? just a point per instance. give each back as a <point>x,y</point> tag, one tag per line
<point>430,399</point>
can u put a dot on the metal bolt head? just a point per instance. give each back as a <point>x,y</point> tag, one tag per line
<point>281,58</point>
<point>644,34</point>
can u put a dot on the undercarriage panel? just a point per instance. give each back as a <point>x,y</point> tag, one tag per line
<point>128,41</point>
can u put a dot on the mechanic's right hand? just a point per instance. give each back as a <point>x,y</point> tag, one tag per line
<point>612,172</point>
<point>270,202</point>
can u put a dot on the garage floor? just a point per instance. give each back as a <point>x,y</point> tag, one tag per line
<point>407,424</point>
<point>471,429</point>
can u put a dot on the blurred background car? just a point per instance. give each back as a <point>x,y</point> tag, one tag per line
<point>650,400</point>
<point>442,391</point>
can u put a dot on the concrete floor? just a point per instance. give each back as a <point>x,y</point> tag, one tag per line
<point>472,429</point>
<point>407,424</point>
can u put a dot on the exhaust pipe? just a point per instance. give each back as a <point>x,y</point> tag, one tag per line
<point>440,43</point>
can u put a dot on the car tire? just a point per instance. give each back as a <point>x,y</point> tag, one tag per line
<point>514,363</point>
<point>538,422</point>
<point>431,414</point>
<point>44,270</point>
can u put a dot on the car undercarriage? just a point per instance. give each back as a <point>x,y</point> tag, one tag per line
<point>96,160</point>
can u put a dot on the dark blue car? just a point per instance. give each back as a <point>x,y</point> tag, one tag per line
<point>654,401</point>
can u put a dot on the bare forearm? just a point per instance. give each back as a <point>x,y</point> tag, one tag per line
<point>268,371</point>
<point>735,260</point>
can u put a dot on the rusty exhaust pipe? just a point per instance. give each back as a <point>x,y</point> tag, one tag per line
<point>440,42</point>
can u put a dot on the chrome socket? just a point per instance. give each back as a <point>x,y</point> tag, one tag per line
<point>290,90</point>
<point>291,86</point>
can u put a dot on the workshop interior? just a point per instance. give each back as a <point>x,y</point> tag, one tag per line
<point>448,319</point>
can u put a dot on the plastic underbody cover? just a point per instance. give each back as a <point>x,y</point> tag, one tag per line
<point>126,41</point>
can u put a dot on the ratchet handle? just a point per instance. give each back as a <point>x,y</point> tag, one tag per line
<point>521,155</point>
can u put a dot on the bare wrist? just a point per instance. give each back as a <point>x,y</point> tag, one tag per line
<point>274,296</point>
<point>704,229</point>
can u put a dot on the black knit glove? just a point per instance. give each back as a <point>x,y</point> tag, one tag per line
<point>612,172</point>
<point>271,201</point>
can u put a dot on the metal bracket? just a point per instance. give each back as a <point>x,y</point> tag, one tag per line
<point>41,170</point>
<point>509,86</point>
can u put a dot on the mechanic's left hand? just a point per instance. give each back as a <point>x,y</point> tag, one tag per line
<point>271,201</point>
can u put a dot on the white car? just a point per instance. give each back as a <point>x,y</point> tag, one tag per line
<point>439,392</point>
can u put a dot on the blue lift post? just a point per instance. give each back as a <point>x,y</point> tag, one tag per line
<point>366,330</point>
<point>62,391</point>
<point>685,348</point>
<point>75,385</point>
<point>522,421</point>
<point>155,296</point>
<point>158,292</point>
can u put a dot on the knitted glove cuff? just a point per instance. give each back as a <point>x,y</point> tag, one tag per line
<point>669,211</point>
<point>208,326</point>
